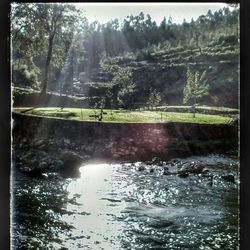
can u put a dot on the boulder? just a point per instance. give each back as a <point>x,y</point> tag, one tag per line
<point>229,178</point>
<point>195,168</point>
<point>70,159</point>
<point>151,170</point>
<point>204,171</point>
<point>156,161</point>
<point>166,168</point>
<point>140,168</point>
<point>166,172</point>
<point>183,175</point>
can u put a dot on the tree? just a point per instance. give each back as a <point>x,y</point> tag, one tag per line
<point>41,25</point>
<point>195,88</point>
<point>154,98</point>
<point>126,93</point>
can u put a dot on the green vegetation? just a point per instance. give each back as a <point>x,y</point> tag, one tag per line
<point>69,55</point>
<point>126,116</point>
<point>154,99</point>
<point>195,88</point>
<point>200,109</point>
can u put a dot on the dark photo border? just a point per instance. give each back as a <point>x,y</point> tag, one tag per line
<point>5,120</point>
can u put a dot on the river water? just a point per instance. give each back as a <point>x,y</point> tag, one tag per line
<point>116,206</point>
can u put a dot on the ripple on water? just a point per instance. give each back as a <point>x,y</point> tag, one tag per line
<point>113,206</point>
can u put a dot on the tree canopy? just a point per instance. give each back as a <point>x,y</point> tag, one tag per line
<point>53,45</point>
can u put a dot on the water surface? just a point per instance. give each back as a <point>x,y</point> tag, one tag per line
<point>115,206</point>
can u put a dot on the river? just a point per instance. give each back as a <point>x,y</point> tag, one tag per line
<point>116,206</point>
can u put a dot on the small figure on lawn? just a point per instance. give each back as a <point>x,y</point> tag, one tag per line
<point>100,116</point>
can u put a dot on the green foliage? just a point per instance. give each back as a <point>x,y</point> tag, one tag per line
<point>43,32</point>
<point>154,98</point>
<point>112,64</point>
<point>144,54</point>
<point>72,46</point>
<point>124,79</point>
<point>24,76</point>
<point>195,88</point>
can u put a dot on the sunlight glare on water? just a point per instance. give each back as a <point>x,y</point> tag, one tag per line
<point>93,209</point>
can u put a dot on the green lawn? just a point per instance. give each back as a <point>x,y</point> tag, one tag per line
<point>126,116</point>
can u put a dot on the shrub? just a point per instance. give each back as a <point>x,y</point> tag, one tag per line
<point>23,76</point>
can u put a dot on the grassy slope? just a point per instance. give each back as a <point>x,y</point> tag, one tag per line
<point>127,116</point>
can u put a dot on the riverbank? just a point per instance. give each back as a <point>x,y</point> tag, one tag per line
<point>41,143</point>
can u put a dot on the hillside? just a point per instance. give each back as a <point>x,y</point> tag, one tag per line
<point>165,71</point>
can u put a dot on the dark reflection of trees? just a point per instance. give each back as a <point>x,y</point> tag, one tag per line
<point>37,206</point>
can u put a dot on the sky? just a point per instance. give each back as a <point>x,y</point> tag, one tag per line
<point>104,12</point>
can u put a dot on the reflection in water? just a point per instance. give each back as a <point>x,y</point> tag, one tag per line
<point>115,206</point>
<point>94,208</point>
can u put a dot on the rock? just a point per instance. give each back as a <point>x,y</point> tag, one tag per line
<point>195,168</point>
<point>166,172</point>
<point>59,163</point>
<point>210,181</point>
<point>183,175</point>
<point>198,168</point>
<point>234,120</point>
<point>66,141</point>
<point>31,171</point>
<point>166,168</point>
<point>71,162</point>
<point>43,154</point>
<point>187,167</point>
<point>36,173</point>
<point>38,143</point>
<point>151,170</point>
<point>70,159</point>
<point>156,161</point>
<point>170,163</point>
<point>204,171</point>
<point>27,155</point>
<point>229,178</point>
<point>42,165</point>
<point>140,168</point>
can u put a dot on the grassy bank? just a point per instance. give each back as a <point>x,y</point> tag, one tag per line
<point>126,116</point>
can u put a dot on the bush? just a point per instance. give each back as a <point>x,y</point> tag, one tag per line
<point>22,76</point>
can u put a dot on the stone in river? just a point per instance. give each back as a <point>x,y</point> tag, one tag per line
<point>229,178</point>
<point>183,175</point>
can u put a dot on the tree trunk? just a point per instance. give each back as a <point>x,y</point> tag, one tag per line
<point>46,72</point>
<point>194,109</point>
